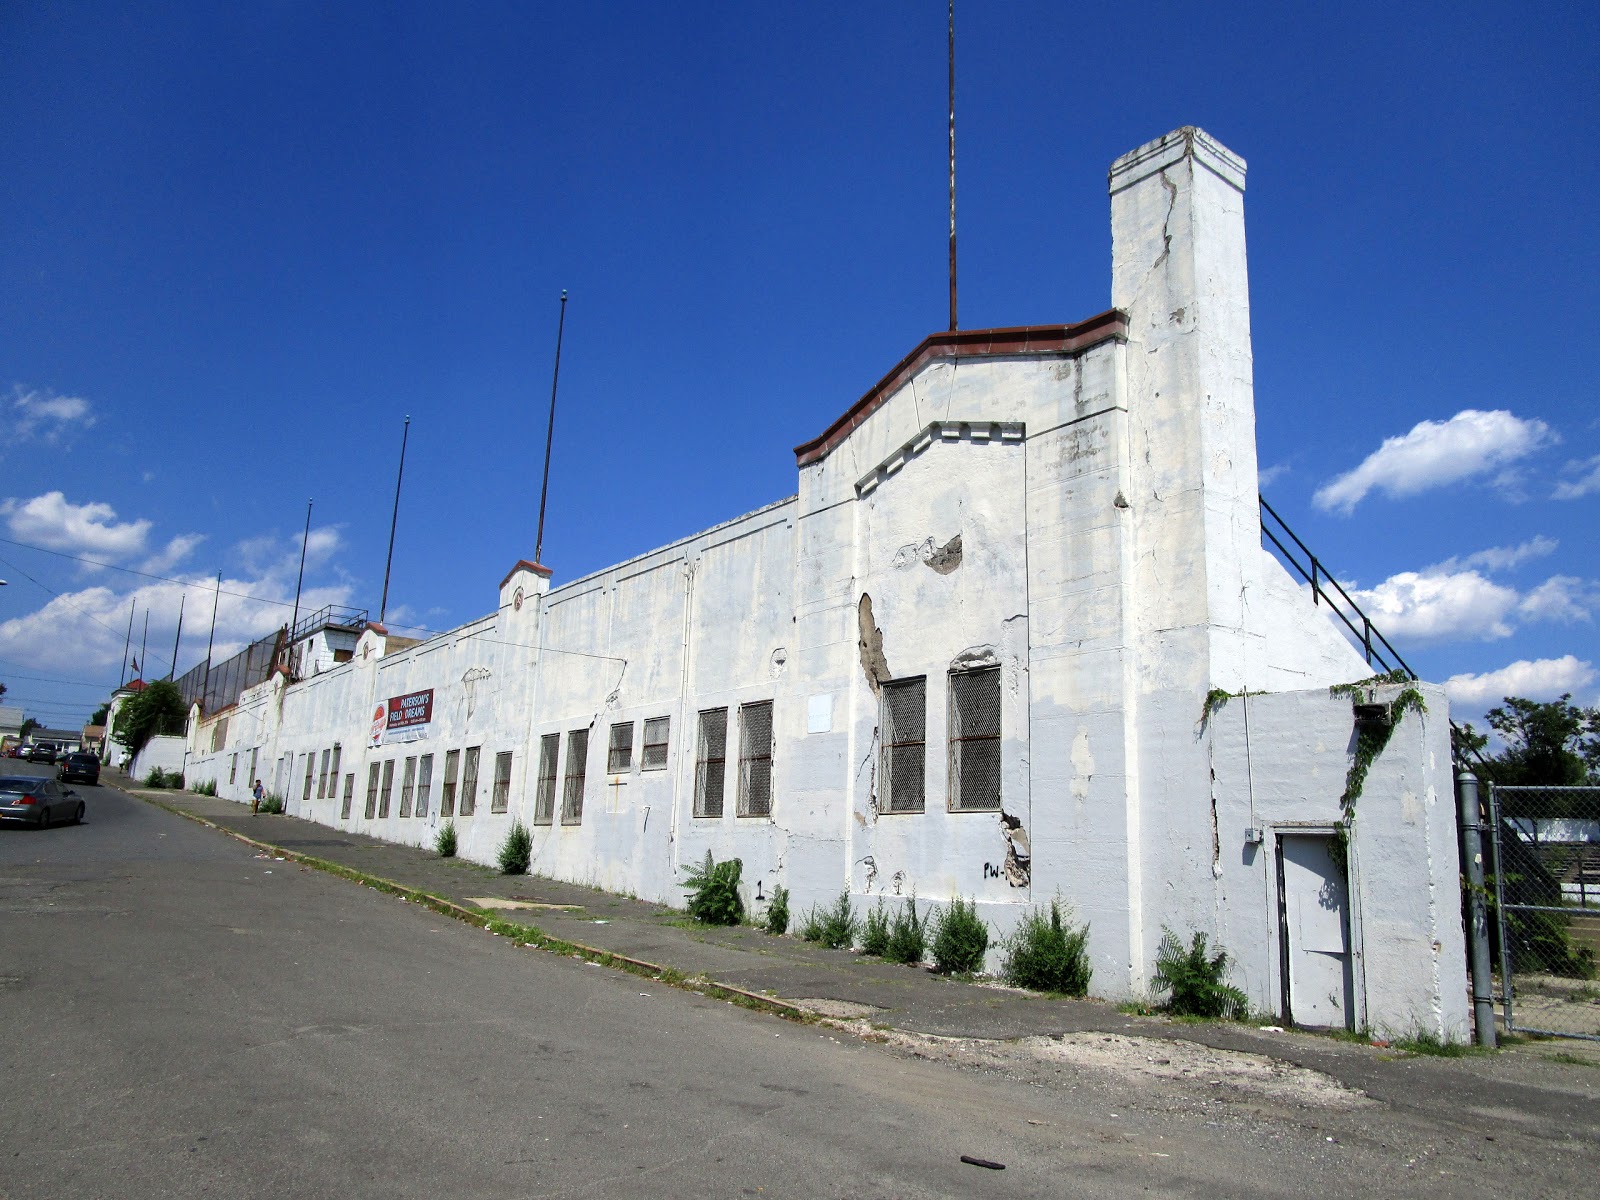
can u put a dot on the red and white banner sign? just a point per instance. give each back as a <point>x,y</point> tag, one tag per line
<point>407,718</point>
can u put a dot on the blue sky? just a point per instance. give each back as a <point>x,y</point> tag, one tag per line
<point>240,243</point>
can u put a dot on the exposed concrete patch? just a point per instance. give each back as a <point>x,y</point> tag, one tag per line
<point>947,557</point>
<point>975,657</point>
<point>498,902</point>
<point>869,639</point>
<point>844,1010</point>
<point>1018,866</point>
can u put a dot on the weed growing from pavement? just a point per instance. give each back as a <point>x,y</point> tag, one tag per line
<point>1426,1042</point>
<point>516,852</point>
<point>445,843</point>
<point>713,889</point>
<point>1048,954</point>
<point>875,930</point>
<point>839,923</point>
<point>960,939</point>
<point>206,787</point>
<point>777,919</point>
<point>908,941</point>
<point>1195,979</point>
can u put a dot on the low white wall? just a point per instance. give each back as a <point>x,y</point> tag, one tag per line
<point>165,751</point>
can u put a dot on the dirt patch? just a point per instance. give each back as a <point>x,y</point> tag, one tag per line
<point>841,1010</point>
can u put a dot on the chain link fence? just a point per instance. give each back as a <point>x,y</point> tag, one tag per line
<point>1545,940</point>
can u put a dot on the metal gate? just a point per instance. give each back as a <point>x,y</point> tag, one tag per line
<point>1545,843</point>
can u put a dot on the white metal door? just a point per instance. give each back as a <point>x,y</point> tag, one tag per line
<point>1315,913</point>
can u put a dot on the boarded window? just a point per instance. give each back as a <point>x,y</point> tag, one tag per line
<point>219,736</point>
<point>469,781</point>
<point>333,772</point>
<point>620,756</point>
<point>322,776</point>
<point>447,793</point>
<point>311,767</point>
<point>233,769</point>
<point>386,790</point>
<point>903,728</point>
<point>544,800</point>
<point>253,754</point>
<point>710,762</point>
<point>755,759</point>
<point>424,783</point>
<point>500,798</point>
<point>349,795</point>
<point>577,768</point>
<point>372,791</point>
<point>408,786</point>
<point>654,755</point>
<point>975,740</point>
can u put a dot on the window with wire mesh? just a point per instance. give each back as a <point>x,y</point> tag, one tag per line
<point>653,757</point>
<point>322,775</point>
<point>975,740</point>
<point>710,762</point>
<point>500,798</point>
<point>577,770</point>
<point>447,787</point>
<point>233,769</point>
<point>408,785</point>
<point>349,795</point>
<point>386,790</point>
<point>620,756</point>
<point>311,769</point>
<point>903,727</point>
<point>468,799</point>
<point>372,791</point>
<point>424,783</point>
<point>544,797</point>
<point>755,759</point>
<point>333,772</point>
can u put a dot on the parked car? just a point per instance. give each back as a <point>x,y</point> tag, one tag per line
<point>85,768</point>
<point>41,752</point>
<point>27,800</point>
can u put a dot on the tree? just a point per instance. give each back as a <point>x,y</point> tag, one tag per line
<point>100,715</point>
<point>28,726</point>
<point>1547,743</point>
<point>158,709</point>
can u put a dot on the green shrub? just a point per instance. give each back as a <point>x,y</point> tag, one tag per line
<point>272,803</point>
<point>206,787</point>
<point>156,779</point>
<point>1195,979</point>
<point>839,923</point>
<point>908,940</point>
<point>1047,954</point>
<point>714,891</point>
<point>875,930</point>
<point>516,852</point>
<point>960,939</point>
<point>811,925</point>
<point>778,911</point>
<point>445,842</point>
<point>175,779</point>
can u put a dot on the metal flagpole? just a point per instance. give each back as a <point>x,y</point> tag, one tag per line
<point>306,537</point>
<point>182,599</point>
<point>128,644</point>
<point>144,645</point>
<point>405,435</point>
<point>550,433</point>
<point>205,688</point>
<point>952,165</point>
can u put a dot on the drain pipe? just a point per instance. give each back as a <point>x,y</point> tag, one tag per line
<point>1477,918</point>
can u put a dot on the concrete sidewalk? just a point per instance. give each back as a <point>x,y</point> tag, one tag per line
<point>908,999</point>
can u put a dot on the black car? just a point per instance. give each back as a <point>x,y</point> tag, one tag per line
<point>38,802</point>
<point>85,768</point>
<point>43,752</point>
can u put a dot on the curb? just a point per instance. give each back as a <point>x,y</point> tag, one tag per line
<point>527,935</point>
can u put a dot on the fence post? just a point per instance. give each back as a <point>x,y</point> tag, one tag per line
<point>1477,917</point>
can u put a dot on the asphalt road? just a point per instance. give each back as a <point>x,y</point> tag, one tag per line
<point>184,1018</point>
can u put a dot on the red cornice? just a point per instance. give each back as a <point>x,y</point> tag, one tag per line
<point>524,565</point>
<point>378,629</point>
<point>969,343</point>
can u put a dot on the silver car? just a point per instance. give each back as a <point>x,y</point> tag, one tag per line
<point>38,802</point>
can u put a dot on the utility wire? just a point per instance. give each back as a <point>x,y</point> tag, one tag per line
<point>142,574</point>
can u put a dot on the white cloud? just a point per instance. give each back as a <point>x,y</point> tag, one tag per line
<point>178,549</point>
<point>1538,679</point>
<point>1436,453</point>
<point>1431,606</point>
<point>1562,598</point>
<point>54,522</point>
<point>45,417</point>
<point>1503,558</point>
<point>1585,485</point>
<point>1266,476</point>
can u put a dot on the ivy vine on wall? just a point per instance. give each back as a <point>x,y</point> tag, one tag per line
<point>1373,731</point>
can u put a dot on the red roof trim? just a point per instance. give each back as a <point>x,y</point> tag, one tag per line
<point>378,629</point>
<point>969,343</point>
<point>524,565</point>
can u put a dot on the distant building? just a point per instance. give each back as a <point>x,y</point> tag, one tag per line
<point>11,720</point>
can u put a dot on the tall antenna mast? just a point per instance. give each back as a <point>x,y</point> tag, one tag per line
<point>183,597</point>
<point>405,436</point>
<point>205,688</point>
<point>127,645</point>
<point>306,537</point>
<point>550,433</point>
<point>952,165</point>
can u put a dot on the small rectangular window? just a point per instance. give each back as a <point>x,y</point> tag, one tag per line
<point>408,786</point>
<point>903,730</point>
<point>447,793</point>
<point>975,740</point>
<point>544,799</point>
<point>654,755</point>
<point>254,752</point>
<point>311,768</point>
<point>333,772</point>
<point>386,790</point>
<point>500,797</point>
<point>424,783</point>
<point>349,795</point>
<point>620,756</point>
<point>755,759</point>
<point>711,758</point>
<point>372,791</point>
<point>577,771</point>
<point>219,736</point>
<point>322,776</point>
<point>469,781</point>
<point>233,769</point>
